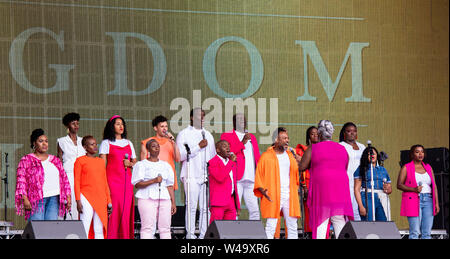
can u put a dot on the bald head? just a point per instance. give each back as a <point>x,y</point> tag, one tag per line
<point>223,148</point>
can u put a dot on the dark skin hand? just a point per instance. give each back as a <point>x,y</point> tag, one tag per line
<point>264,193</point>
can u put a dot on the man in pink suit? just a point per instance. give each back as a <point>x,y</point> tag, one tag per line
<point>245,147</point>
<point>224,201</point>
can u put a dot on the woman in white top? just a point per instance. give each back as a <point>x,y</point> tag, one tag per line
<point>42,187</point>
<point>69,149</point>
<point>347,138</point>
<point>154,180</point>
<point>420,201</point>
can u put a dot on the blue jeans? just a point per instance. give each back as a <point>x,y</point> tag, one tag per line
<point>50,211</point>
<point>379,211</point>
<point>424,222</point>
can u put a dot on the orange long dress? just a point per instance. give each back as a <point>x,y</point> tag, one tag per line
<point>305,179</point>
<point>166,153</point>
<point>90,180</point>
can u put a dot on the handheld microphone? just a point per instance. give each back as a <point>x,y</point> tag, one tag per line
<point>420,183</point>
<point>167,135</point>
<point>109,209</point>
<point>384,180</point>
<point>187,148</point>
<point>126,157</point>
<point>246,132</point>
<point>159,184</point>
<point>203,134</point>
<point>369,143</point>
<point>292,151</point>
<point>68,210</point>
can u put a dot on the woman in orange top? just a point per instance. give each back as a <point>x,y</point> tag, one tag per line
<point>92,191</point>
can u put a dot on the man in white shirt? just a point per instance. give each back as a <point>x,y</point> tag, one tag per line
<point>245,147</point>
<point>200,144</point>
<point>277,183</point>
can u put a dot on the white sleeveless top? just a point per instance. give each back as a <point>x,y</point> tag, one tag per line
<point>70,152</point>
<point>425,180</point>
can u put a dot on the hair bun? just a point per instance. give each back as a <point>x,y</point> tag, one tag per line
<point>326,128</point>
<point>35,135</point>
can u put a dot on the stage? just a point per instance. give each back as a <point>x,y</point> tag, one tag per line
<point>179,232</point>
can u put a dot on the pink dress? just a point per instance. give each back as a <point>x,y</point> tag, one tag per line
<point>329,188</point>
<point>121,221</point>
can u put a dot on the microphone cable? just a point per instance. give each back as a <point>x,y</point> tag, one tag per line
<point>159,204</point>
<point>124,196</point>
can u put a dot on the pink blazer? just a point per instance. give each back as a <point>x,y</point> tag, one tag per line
<point>410,200</point>
<point>220,182</point>
<point>237,148</point>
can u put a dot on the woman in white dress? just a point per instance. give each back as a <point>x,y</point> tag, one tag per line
<point>347,138</point>
<point>69,149</point>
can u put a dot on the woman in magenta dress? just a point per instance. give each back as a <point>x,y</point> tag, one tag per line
<point>329,194</point>
<point>119,155</point>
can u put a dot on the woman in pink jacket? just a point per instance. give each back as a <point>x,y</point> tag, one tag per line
<point>42,187</point>
<point>419,197</point>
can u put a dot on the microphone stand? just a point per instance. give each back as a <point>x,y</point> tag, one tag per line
<point>366,195</point>
<point>188,199</point>
<point>372,183</point>
<point>157,212</point>
<point>5,180</point>
<point>301,197</point>
<point>301,205</point>
<point>206,182</point>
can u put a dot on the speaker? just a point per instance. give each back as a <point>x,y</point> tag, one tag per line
<point>236,229</point>
<point>441,220</point>
<point>370,230</point>
<point>54,229</point>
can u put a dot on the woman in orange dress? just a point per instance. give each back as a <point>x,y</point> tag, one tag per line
<point>92,191</point>
<point>311,138</point>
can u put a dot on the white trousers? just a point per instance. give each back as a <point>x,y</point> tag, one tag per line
<point>73,210</point>
<point>338,223</point>
<point>245,188</point>
<point>291,222</point>
<point>197,197</point>
<point>88,216</point>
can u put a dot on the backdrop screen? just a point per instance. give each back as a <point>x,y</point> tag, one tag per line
<point>382,65</point>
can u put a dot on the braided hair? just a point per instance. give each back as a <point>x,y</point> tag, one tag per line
<point>364,164</point>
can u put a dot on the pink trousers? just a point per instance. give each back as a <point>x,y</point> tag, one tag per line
<point>227,212</point>
<point>148,211</point>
